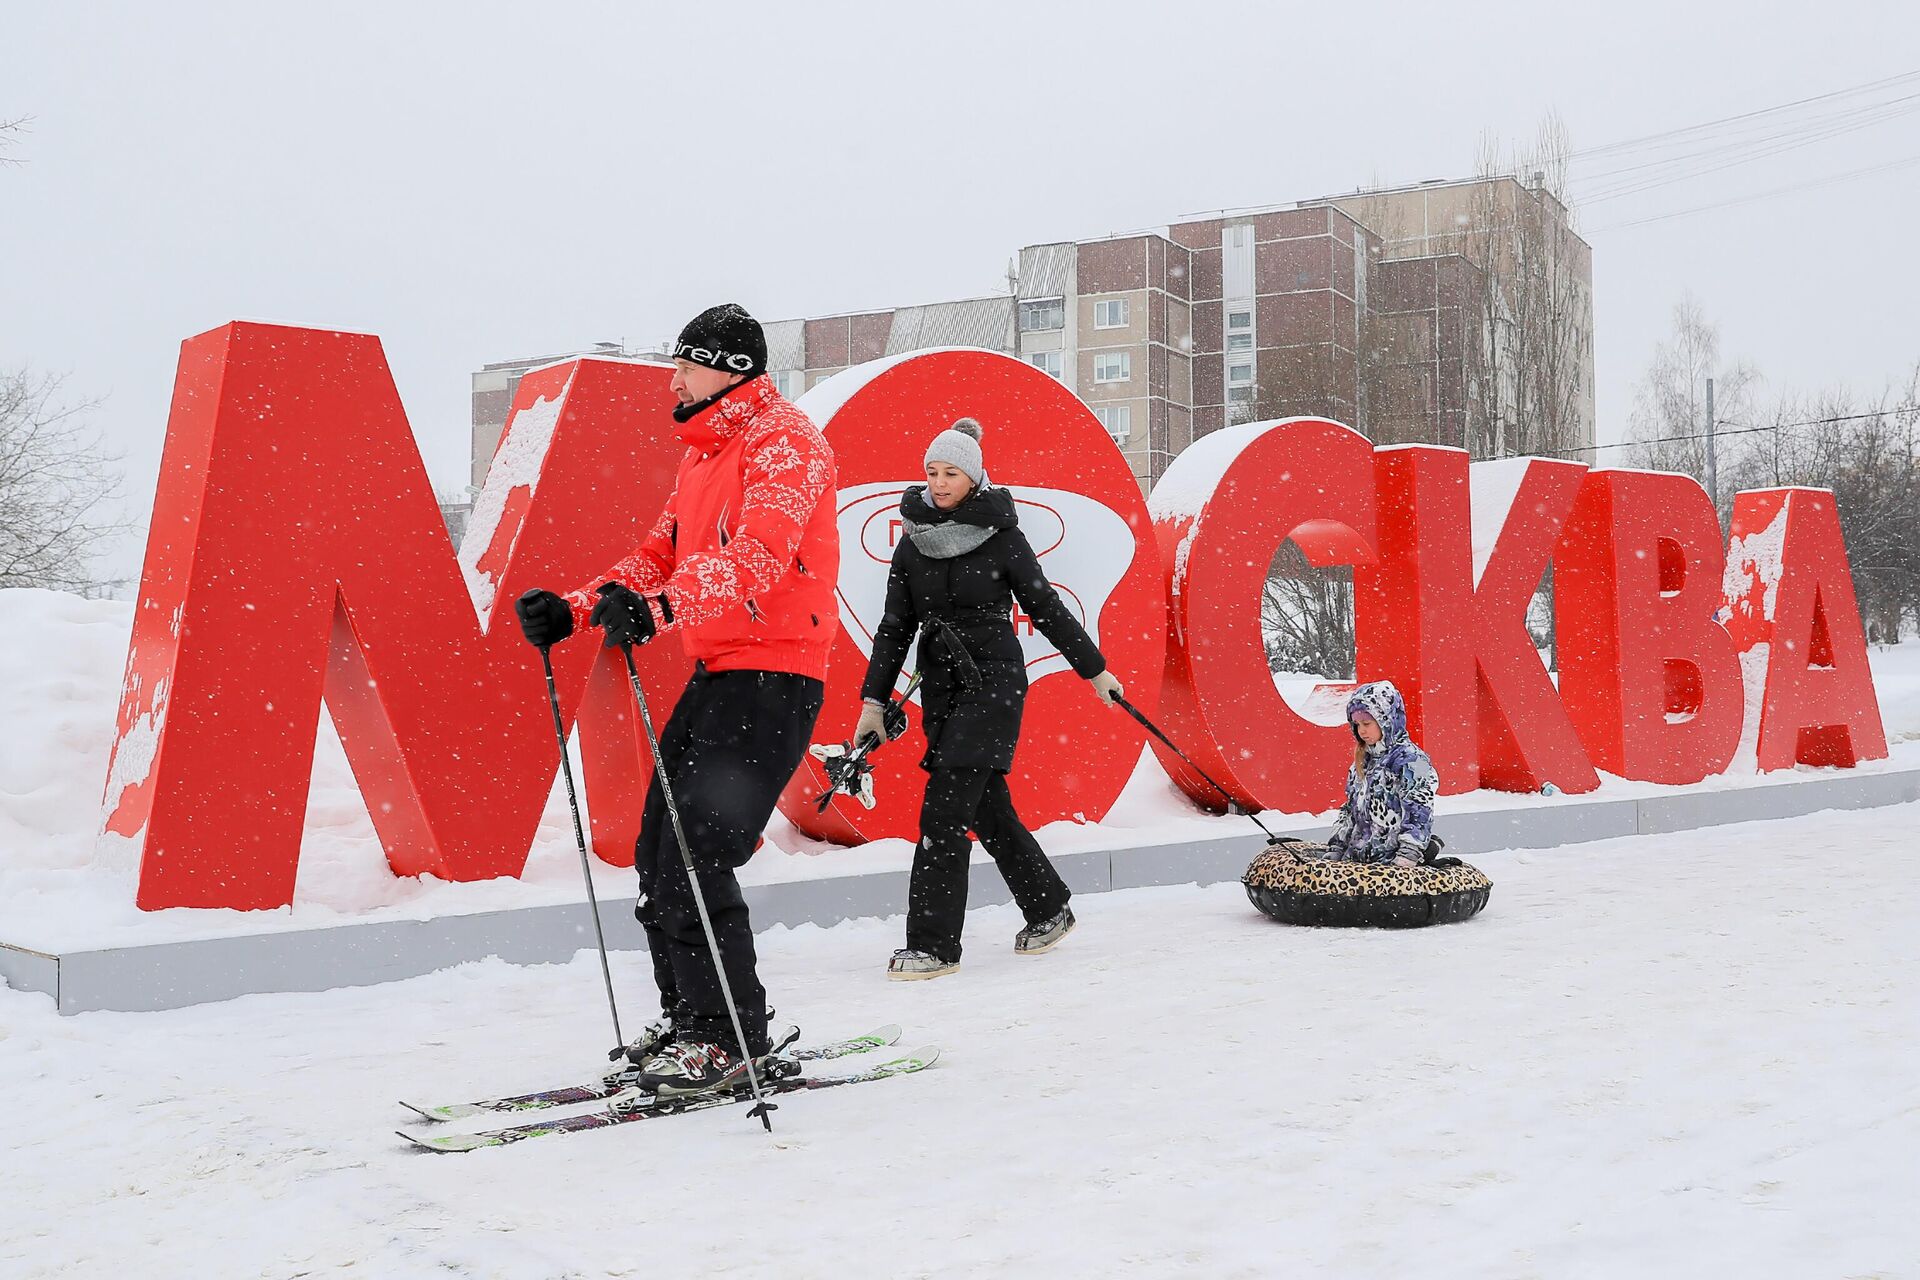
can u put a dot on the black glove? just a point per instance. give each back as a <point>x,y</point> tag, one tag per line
<point>545,619</point>
<point>625,615</point>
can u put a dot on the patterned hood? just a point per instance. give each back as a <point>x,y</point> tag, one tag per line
<point>1389,710</point>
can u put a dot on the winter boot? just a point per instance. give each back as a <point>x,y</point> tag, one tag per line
<point>626,1069</point>
<point>1045,936</point>
<point>913,966</point>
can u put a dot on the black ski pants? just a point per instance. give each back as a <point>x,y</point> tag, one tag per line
<point>731,745</point>
<point>956,800</point>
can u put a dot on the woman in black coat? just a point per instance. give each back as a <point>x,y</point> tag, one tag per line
<point>953,582</point>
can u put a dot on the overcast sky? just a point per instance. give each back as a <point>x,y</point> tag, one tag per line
<point>477,181</point>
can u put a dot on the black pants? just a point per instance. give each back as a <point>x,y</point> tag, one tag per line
<point>731,745</point>
<point>956,800</point>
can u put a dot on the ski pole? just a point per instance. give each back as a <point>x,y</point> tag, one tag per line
<point>761,1107</point>
<point>1154,729</point>
<point>905,698</point>
<point>580,839</point>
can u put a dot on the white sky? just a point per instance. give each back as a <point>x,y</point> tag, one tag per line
<point>480,181</point>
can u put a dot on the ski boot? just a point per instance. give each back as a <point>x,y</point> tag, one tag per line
<point>687,1067</point>
<point>625,1071</point>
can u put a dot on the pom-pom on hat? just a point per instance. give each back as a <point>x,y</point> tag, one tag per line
<point>959,446</point>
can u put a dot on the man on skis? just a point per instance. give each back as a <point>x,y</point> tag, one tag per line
<point>742,562</point>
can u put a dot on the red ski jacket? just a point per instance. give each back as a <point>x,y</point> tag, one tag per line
<point>747,550</point>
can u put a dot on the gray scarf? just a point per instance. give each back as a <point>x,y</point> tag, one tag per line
<point>946,540</point>
<point>942,535</point>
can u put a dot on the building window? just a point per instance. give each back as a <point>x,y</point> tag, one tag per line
<point>1047,362</point>
<point>1240,382</point>
<point>1112,366</point>
<point>1043,314</point>
<point>1110,313</point>
<point>1240,329</point>
<point>785,381</point>
<point>1236,262</point>
<point>1117,419</point>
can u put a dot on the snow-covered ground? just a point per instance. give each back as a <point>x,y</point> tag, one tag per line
<point>1661,1056</point>
<point>1654,1056</point>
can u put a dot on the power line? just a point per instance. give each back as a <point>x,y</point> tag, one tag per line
<point>1740,429</point>
<point>1773,132</point>
<point>1719,144</point>
<point>1808,422</point>
<point>1783,133</point>
<point>1646,139</point>
<point>1848,176</point>
<point>1728,155</point>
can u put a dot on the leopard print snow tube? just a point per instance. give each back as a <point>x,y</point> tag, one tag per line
<point>1295,884</point>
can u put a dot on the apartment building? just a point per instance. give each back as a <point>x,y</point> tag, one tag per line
<point>1402,311</point>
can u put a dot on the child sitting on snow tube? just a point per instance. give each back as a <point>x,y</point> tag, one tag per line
<point>1378,868</point>
<point>1387,816</point>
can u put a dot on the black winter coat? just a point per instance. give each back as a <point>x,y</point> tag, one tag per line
<point>974,675</point>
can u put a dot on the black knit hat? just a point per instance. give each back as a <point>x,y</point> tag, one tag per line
<point>724,338</point>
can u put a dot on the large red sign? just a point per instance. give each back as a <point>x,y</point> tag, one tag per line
<point>1222,510</point>
<point>1794,620</point>
<point>1648,675</point>
<point>1081,509</point>
<point>297,554</point>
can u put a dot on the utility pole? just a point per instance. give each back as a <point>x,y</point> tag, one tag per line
<point>1713,471</point>
<point>1013,289</point>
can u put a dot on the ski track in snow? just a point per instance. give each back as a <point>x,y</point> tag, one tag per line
<point>1661,1055</point>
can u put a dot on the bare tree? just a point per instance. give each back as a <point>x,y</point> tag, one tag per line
<point>9,131</point>
<point>1863,451</point>
<point>1529,342</point>
<point>1668,423</point>
<point>54,478</point>
<point>1306,616</point>
<point>54,473</point>
<point>1872,472</point>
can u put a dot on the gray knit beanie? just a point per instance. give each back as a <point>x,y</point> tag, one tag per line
<point>959,446</point>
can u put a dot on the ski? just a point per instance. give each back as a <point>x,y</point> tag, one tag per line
<point>600,1090</point>
<point>918,1060</point>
